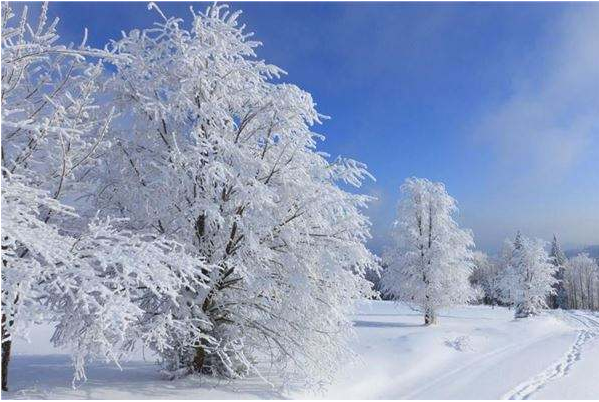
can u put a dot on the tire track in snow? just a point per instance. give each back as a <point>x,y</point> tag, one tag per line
<point>486,357</point>
<point>563,366</point>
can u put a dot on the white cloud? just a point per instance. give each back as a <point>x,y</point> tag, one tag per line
<point>550,121</point>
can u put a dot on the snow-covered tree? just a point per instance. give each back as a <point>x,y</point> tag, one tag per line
<point>528,276</point>
<point>560,298</point>
<point>432,258</point>
<point>50,128</point>
<point>581,280</point>
<point>505,259</point>
<point>486,275</point>
<point>59,263</point>
<point>212,153</point>
<point>518,240</point>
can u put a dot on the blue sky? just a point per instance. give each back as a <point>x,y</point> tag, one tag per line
<point>498,101</point>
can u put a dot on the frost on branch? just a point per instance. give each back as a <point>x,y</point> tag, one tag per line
<point>52,122</point>
<point>30,247</point>
<point>59,263</point>
<point>90,285</point>
<point>431,260</point>
<point>115,283</point>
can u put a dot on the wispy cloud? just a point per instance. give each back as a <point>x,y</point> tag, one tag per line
<point>550,120</point>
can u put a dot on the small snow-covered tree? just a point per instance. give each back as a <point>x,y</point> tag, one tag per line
<point>581,279</point>
<point>432,258</point>
<point>560,298</point>
<point>213,154</point>
<point>505,259</point>
<point>485,275</point>
<point>528,276</point>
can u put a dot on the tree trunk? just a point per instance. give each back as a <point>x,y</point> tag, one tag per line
<point>6,346</point>
<point>198,359</point>
<point>430,317</point>
<point>552,302</point>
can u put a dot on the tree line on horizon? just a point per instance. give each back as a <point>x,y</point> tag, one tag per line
<point>576,286</point>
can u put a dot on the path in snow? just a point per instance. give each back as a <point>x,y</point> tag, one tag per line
<point>563,366</point>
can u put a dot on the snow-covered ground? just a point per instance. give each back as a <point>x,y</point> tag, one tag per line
<point>474,352</point>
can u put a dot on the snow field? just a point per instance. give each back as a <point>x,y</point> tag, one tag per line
<point>474,352</point>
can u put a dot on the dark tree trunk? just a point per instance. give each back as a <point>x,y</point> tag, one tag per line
<point>430,317</point>
<point>198,359</point>
<point>552,303</point>
<point>6,346</point>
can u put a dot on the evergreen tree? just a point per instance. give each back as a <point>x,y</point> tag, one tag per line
<point>518,241</point>
<point>558,258</point>
<point>528,277</point>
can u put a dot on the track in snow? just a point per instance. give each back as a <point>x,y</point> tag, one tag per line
<point>491,356</point>
<point>563,366</point>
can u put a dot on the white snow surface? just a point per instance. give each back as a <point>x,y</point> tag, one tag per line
<point>475,352</point>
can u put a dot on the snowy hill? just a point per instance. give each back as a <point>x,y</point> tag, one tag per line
<point>474,352</point>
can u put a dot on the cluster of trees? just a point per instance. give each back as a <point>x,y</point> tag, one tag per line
<point>574,281</point>
<point>581,283</point>
<point>432,264</point>
<point>165,190</point>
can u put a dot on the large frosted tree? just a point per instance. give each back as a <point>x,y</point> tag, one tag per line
<point>431,260</point>
<point>528,276</point>
<point>210,152</point>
